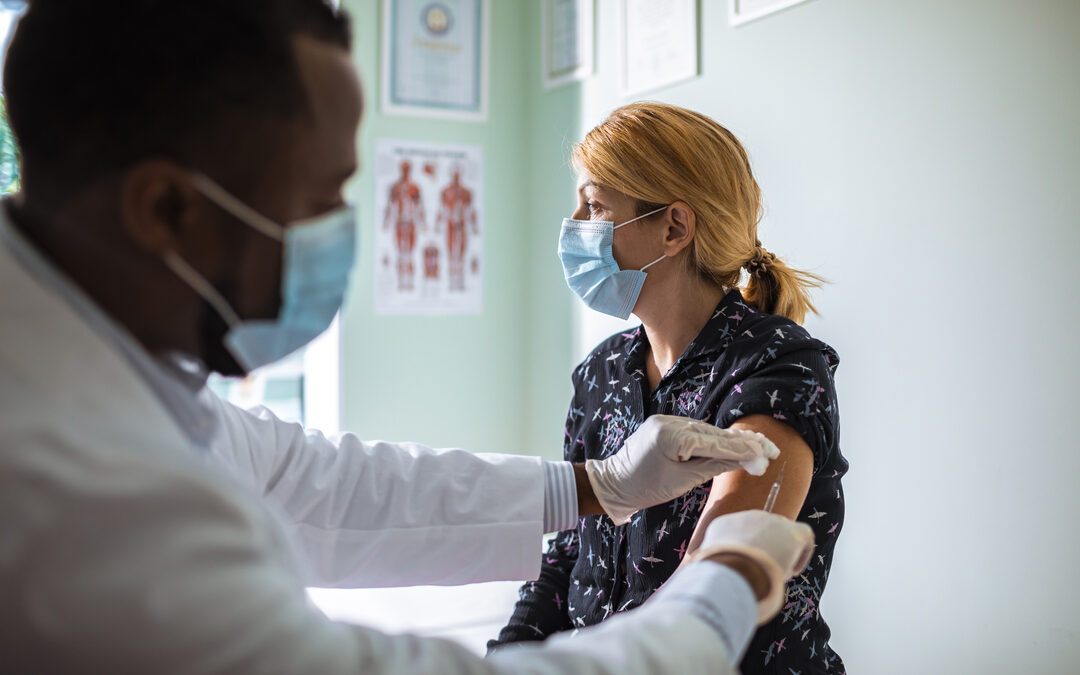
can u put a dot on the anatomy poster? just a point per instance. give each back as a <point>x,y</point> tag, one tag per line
<point>428,228</point>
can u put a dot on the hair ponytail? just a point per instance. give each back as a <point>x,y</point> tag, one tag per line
<point>775,288</point>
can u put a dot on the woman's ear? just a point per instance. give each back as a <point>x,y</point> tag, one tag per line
<point>680,228</point>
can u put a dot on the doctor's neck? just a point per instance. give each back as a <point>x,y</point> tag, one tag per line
<point>84,241</point>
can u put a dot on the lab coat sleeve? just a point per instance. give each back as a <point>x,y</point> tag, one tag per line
<point>659,637</point>
<point>377,514</point>
<point>132,569</point>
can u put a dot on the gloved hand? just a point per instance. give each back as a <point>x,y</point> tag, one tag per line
<point>779,546</point>
<point>667,457</point>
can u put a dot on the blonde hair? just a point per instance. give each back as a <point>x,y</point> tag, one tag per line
<point>659,154</point>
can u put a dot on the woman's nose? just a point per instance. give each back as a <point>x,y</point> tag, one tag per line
<point>581,213</point>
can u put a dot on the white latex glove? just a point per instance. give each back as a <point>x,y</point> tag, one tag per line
<point>667,457</point>
<point>779,546</point>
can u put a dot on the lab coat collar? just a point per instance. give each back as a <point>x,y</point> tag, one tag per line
<point>177,381</point>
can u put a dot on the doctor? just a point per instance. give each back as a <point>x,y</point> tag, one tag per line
<point>182,212</point>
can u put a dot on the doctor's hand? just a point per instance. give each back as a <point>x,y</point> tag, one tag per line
<point>766,549</point>
<point>667,457</point>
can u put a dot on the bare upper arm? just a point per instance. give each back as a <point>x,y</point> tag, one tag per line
<point>739,491</point>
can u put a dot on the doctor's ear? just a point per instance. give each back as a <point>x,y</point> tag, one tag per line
<point>159,207</point>
<point>681,226</point>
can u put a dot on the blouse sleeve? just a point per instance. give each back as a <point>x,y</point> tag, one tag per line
<point>541,608</point>
<point>796,388</point>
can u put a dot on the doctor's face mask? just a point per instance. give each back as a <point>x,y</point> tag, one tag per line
<point>317,259</point>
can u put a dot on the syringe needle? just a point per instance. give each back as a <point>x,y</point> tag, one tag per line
<point>775,489</point>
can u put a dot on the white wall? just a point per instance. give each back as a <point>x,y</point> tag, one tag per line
<point>925,157</point>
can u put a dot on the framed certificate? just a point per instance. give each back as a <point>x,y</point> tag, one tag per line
<point>435,58</point>
<point>658,45</point>
<point>743,11</point>
<point>567,29</point>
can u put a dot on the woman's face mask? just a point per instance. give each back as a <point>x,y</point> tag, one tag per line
<point>590,268</point>
<point>318,257</point>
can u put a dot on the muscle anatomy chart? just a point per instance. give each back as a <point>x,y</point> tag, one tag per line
<point>428,228</point>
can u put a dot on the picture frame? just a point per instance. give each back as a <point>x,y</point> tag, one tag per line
<point>568,41</point>
<point>658,44</point>
<point>744,11</point>
<point>435,58</point>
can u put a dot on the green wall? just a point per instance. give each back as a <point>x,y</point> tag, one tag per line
<point>554,124</point>
<point>487,382</point>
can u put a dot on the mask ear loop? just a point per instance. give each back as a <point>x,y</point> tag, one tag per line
<point>200,285</point>
<point>237,208</point>
<point>644,215</point>
<point>652,263</point>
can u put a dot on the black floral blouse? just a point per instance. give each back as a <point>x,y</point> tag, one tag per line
<point>743,362</point>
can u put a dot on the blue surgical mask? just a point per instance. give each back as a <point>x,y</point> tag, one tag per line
<point>590,268</point>
<point>317,259</point>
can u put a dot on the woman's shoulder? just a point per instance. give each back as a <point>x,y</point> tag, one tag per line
<point>761,335</point>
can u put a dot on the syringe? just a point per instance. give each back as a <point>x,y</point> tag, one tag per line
<point>775,489</point>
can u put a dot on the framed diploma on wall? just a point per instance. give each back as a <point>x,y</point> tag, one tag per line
<point>658,44</point>
<point>743,11</point>
<point>435,58</point>
<point>567,30</point>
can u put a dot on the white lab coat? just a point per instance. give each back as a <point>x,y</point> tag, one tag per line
<point>375,514</point>
<point>125,550</point>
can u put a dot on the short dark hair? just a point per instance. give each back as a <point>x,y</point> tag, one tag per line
<point>92,87</point>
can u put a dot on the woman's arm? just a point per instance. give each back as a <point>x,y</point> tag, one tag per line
<point>739,491</point>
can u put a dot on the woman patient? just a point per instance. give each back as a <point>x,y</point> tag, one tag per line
<point>735,357</point>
